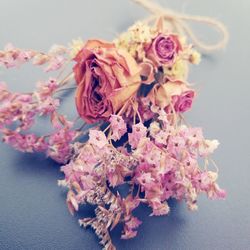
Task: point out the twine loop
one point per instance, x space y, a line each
180 22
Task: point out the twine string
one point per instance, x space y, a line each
180 22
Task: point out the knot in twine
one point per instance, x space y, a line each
180 22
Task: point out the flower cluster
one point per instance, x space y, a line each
144 62
137 84
135 92
14 57
158 162
18 113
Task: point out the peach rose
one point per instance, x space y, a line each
106 77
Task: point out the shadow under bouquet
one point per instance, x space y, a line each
131 95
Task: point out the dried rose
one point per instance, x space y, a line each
106 79
164 49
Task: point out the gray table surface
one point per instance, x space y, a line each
33 214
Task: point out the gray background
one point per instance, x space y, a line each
33 214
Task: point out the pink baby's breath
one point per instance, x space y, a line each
138 132
118 127
97 138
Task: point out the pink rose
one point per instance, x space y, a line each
106 78
173 94
183 102
164 49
